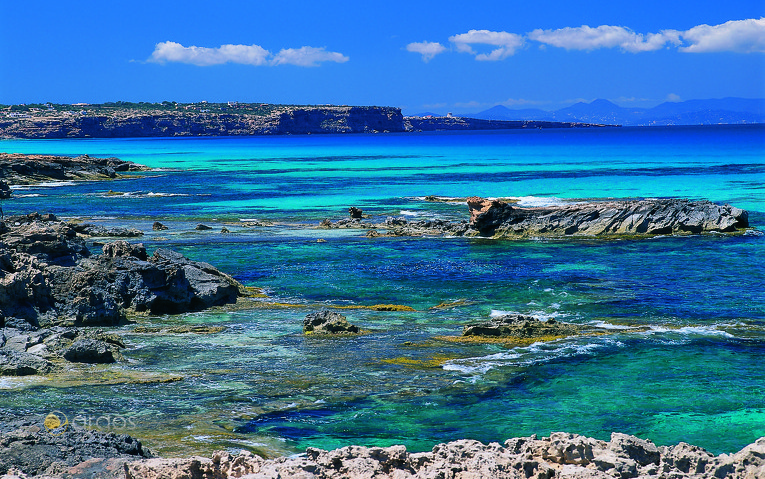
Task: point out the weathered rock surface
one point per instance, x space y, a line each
29 448
20 169
24 353
608 218
328 322
522 327
48 277
561 455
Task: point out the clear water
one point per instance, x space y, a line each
691 373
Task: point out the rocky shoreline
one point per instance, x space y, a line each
44 447
56 295
594 219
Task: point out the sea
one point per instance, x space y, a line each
679 359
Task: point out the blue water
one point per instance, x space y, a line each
690 373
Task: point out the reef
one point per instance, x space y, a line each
28 448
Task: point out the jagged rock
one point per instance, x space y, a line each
97 230
5 190
49 277
608 218
15 363
89 350
20 169
561 455
157 226
28 447
522 327
328 322
354 212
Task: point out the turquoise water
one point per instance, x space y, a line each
691 373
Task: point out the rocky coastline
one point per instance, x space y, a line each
498 219
58 299
46 447
161 120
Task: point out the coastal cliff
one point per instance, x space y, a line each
169 119
129 123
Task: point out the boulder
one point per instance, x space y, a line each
354 213
328 322
157 226
88 350
15 363
5 190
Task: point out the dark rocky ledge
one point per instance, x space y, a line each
607 218
50 282
602 219
41 446
20 169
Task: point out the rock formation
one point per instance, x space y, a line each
27 448
607 218
520 326
50 278
328 322
19 169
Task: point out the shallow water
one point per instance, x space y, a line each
691 373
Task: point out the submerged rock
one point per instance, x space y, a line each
608 218
522 327
328 322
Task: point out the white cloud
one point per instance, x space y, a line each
203 56
428 50
307 57
673 97
604 36
507 43
744 36
243 54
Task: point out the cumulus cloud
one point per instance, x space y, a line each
506 43
604 36
744 36
243 54
741 36
428 50
307 57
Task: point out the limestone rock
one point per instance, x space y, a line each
521 326
328 322
607 218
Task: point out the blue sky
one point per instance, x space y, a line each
459 56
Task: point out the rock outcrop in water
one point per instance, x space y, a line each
328 322
519 326
20 169
608 218
48 277
27 448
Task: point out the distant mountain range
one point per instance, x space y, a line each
692 112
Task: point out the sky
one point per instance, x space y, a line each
459 56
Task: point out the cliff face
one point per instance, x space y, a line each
287 120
